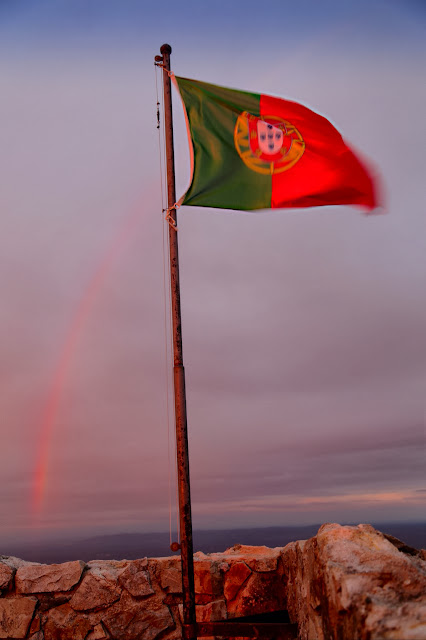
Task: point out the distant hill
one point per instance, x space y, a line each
139 545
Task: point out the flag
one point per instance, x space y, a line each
254 151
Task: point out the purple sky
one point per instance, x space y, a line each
304 331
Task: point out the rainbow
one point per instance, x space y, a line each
51 406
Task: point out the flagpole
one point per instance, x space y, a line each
186 548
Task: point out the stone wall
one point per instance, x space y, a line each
354 582
346 582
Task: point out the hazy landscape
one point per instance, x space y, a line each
138 545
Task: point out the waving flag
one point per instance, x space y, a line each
253 151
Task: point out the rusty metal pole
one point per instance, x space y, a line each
189 629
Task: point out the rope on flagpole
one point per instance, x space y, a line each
169 217
167 311
162 66
175 476
168 329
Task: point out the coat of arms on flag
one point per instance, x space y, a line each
267 144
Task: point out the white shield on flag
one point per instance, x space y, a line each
270 138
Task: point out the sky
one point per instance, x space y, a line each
303 330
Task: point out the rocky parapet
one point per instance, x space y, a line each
345 583
353 582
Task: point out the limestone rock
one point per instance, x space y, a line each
210 612
250 551
16 563
174 634
43 578
257 558
261 593
304 601
171 576
351 582
95 591
50 600
35 625
15 616
63 623
135 578
268 563
131 619
401 546
98 633
207 578
110 569
234 579
6 575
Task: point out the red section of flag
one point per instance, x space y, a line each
328 173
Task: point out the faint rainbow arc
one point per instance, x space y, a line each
52 404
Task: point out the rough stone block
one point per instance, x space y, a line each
261 593
6 575
35 625
43 578
171 577
207 578
98 633
234 579
209 612
131 619
135 578
15 616
16 563
351 582
94 591
63 623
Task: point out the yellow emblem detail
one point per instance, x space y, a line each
268 144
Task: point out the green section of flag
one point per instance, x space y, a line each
220 177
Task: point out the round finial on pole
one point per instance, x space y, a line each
166 48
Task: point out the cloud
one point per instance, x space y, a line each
303 331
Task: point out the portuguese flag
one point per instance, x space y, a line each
253 151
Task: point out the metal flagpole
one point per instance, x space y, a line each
186 548
230 628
